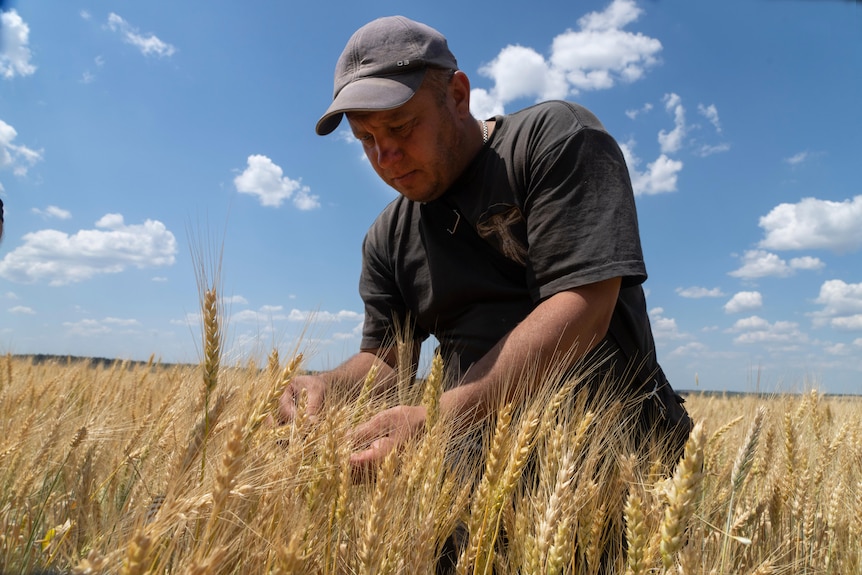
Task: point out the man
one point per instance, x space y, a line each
514 240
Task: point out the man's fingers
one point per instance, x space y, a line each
314 403
286 406
366 461
310 394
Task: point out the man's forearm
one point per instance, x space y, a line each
349 377
563 328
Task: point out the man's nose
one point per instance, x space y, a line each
388 152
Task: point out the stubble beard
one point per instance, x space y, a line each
449 164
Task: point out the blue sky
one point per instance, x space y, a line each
137 136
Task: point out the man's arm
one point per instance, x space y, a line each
348 378
564 327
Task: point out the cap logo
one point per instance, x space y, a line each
403 63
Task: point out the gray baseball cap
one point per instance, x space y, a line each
382 66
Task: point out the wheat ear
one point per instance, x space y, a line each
554 530
481 509
636 533
433 389
226 476
518 456
372 550
136 555
212 339
682 494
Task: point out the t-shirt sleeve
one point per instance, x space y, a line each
581 218
378 291
385 308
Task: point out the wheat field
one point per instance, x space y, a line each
148 468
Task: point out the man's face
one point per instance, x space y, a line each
415 148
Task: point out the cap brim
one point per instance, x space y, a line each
369 95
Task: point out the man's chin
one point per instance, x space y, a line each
422 195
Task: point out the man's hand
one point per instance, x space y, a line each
387 431
315 388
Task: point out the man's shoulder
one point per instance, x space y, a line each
558 113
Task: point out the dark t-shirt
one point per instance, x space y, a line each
546 205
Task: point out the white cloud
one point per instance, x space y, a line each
270 313
708 149
304 200
88 77
59 258
696 292
659 177
53 212
595 57
356 332
14 46
17 158
840 298
848 323
688 350
91 327
755 329
324 316
744 301
22 310
601 50
760 263
671 142
664 328
234 299
797 158
814 224
520 72
838 349
266 180
482 105
710 113
252 317
807 263
146 44
842 305
633 114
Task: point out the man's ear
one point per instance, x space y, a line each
460 90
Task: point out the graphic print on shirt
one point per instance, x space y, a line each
503 226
